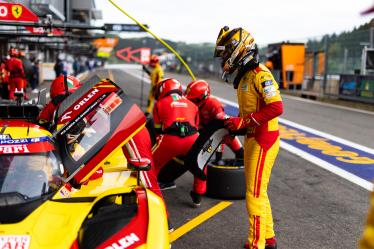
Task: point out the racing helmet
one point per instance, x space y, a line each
166 87
153 60
197 91
236 47
58 85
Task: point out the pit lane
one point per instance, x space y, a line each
311 207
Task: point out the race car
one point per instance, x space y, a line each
73 188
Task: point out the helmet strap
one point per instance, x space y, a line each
250 65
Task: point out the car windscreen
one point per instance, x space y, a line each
28 176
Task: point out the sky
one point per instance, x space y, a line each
269 21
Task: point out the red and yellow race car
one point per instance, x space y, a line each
55 193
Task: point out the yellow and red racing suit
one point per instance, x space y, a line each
367 239
156 75
259 100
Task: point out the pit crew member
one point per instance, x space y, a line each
176 120
16 73
156 74
210 108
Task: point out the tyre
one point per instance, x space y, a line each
227 180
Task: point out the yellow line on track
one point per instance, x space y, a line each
198 220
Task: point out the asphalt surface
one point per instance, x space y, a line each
312 207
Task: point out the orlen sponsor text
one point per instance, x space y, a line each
86 99
124 242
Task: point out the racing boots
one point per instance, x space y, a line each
269 244
196 199
239 154
167 185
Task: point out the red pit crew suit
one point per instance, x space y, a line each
4 81
259 105
211 109
140 146
46 115
177 119
16 76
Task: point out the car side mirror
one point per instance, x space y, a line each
42 97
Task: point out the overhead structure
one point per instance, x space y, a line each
157 38
56 25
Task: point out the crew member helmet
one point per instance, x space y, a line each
153 60
197 91
236 47
166 87
13 52
58 85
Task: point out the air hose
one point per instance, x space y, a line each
157 38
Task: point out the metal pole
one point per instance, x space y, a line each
326 49
52 25
345 61
371 37
142 90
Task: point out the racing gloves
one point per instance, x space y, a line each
268 112
238 123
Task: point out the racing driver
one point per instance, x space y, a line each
210 108
260 104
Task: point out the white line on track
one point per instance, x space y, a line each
327 104
313 159
328 166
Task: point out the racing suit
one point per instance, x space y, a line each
177 120
16 76
156 75
140 146
211 109
46 115
259 104
367 239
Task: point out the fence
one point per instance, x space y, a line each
333 66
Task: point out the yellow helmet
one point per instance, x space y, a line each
236 47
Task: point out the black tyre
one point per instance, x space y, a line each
226 181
